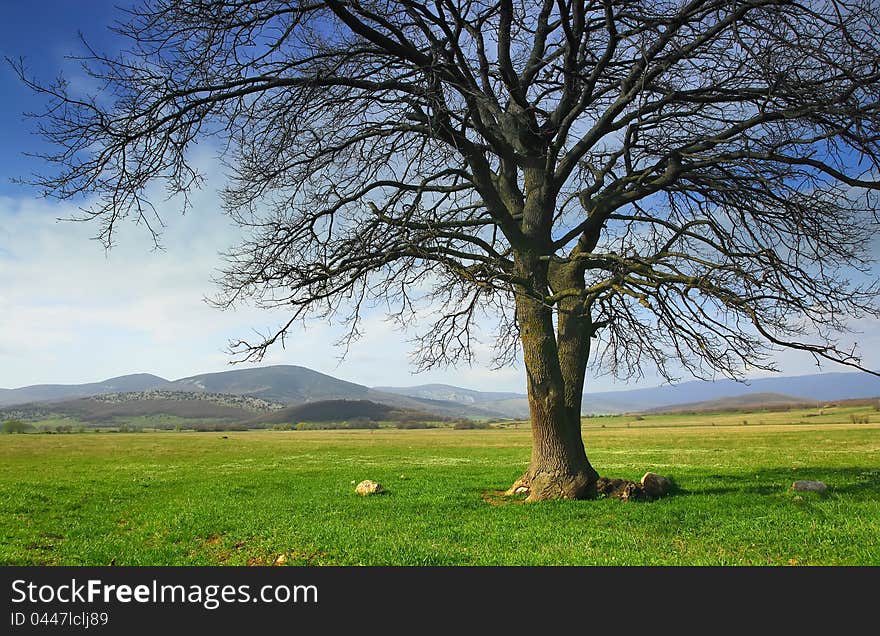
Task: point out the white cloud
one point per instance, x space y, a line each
69 312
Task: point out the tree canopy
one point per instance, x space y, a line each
626 183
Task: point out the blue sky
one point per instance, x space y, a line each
69 312
43 33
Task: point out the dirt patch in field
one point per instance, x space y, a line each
498 498
40 546
213 546
244 552
286 558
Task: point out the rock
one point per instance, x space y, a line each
622 489
805 485
652 487
632 491
369 487
610 487
656 485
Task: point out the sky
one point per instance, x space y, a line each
71 312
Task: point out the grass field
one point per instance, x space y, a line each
199 499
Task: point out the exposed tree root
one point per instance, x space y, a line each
543 485
546 485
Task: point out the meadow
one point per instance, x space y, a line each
287 497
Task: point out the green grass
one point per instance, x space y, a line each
199 499
832 415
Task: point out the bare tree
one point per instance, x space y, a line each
687 184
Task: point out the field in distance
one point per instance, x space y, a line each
267 497
82 416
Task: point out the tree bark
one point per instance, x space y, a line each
573 333
559 468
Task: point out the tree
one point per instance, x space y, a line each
15 426
687 184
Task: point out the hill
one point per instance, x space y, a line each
52 392
448 393
479 403
283 383
296 385
819 387
117 408
287 384
748 402
339 410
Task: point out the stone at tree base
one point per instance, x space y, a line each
656 485
369 487
632 491
622 489
805 485
652 487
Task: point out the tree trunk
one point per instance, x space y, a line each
574 329
559 468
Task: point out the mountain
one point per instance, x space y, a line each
749 401
492 403
282 383
287 384
92 410
295 385
337 410
479 403
298 385
53 392
817 387
449 393
208 411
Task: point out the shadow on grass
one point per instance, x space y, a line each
768 481
857 482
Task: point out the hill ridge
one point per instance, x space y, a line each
296 384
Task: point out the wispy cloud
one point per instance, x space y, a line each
71 312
